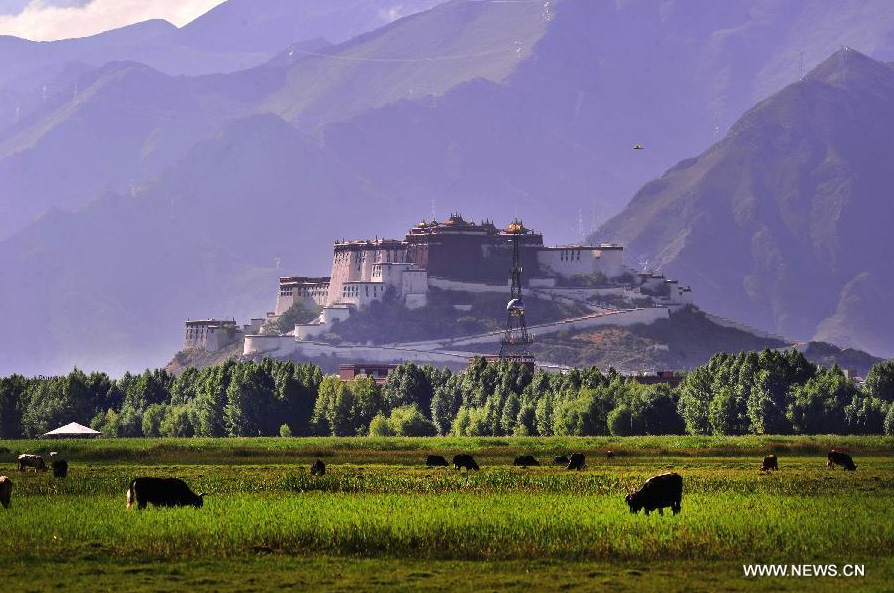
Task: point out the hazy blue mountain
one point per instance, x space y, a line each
267 26
109 286
550 137
495 109
783 224
235 35
120 126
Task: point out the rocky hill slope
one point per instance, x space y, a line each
782 224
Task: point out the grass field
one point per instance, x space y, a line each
381 520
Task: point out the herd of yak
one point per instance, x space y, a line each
657 493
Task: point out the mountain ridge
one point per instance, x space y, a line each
780 214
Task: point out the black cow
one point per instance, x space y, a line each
576 461
436 461
658 492
609 454
560 460
464 461
770 462
29 460
162 492
5 491
318 468
60 468
525 461
842 459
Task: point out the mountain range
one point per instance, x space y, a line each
783 223
132 183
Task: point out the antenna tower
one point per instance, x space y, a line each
515 341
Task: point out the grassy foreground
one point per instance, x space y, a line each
379 520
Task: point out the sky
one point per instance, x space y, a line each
47 20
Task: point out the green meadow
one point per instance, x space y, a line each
380 520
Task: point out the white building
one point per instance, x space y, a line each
210 334
567 261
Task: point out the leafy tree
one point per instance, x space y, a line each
251 408
620 421
471 422
296 314
106 422
55 401
766 405
866 415
543 415
211 399
178 422
185 387
152 419
12 400
408 384
889 421
727 413
696 394
583 415
526 420
296 388
285 431
817 406
367 402
657 411
446 403
409 422
380 427
509 418
880 381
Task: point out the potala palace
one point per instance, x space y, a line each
456 255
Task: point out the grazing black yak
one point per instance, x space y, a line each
318 468
60 468
5 491
436 461
770 462
658 492
525 461
162 492
464 460
576 461
842 459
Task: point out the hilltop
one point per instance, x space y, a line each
687 339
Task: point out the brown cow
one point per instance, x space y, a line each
770 462
29 460
5 491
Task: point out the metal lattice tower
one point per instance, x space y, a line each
515 341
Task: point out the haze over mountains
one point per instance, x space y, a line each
784 223
176 194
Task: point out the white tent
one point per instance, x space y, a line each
72 431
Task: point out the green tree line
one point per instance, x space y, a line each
769 392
